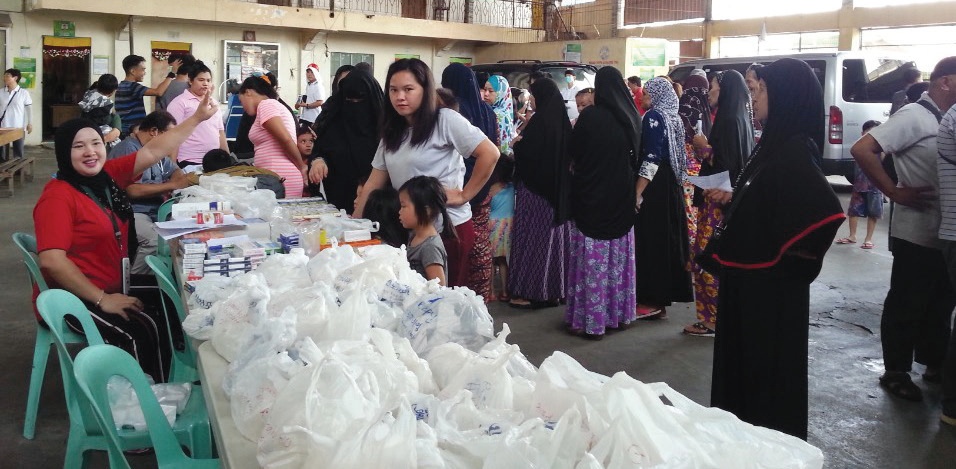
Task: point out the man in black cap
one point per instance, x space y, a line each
918 307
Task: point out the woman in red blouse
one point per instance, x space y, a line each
82 225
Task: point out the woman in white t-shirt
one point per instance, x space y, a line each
420 140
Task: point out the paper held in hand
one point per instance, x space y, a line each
714 181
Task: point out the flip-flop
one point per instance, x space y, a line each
902 387
845 241
696 328
867 245
647 313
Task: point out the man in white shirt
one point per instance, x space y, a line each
568 93
15 112
918 307
314 96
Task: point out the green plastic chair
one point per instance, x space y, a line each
192 425
94 366
183 366
41 350
162 247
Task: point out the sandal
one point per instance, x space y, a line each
699 329
933 376
520 303
867 245
504 298
651 313
845 241
902 387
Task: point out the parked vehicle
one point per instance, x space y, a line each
857 87
518 72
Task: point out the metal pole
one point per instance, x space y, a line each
129 23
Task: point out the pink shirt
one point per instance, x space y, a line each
268 150
206 135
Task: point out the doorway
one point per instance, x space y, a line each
66 76
414 9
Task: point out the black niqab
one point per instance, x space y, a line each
611 94
347 135
461 81
732 136
604 148
541 156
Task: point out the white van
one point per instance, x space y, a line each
857 87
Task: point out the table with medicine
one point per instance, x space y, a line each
320 347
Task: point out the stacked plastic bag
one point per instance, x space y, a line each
354 360
124 403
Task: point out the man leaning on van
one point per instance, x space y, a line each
921 299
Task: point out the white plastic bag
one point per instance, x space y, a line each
449 315
125 407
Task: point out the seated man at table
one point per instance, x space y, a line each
153 187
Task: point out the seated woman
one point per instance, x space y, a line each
83 221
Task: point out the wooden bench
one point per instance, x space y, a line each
10 168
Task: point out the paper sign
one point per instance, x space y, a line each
101 64
714 181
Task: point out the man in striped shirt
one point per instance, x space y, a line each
128 101
946 144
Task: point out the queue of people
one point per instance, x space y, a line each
592 208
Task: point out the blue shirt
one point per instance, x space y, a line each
155 174
503 203
128 103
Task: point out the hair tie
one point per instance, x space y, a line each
266 79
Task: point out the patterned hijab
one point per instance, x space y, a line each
694 108
664 101
504 111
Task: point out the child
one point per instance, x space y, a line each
502 211
584 98
383 206
304 140
422 200
97 106
866 202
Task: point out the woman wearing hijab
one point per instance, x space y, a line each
340 74
500 99
83 221
781 221
347 134
604 146
695 114
461 81
663 247
539 234
730 144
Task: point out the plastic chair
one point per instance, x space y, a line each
162 247
41 349
94 366
192 425
183 366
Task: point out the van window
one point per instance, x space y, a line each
583 77
872 80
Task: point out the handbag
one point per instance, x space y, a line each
706 258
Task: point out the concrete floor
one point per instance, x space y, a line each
852 420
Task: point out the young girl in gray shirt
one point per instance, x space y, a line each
422 200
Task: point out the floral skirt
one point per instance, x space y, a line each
706 286
602 283
501 237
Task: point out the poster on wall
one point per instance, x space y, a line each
28 71
649 55
407 56
572 53
101 64
466 61
64 29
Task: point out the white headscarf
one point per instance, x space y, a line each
664 101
